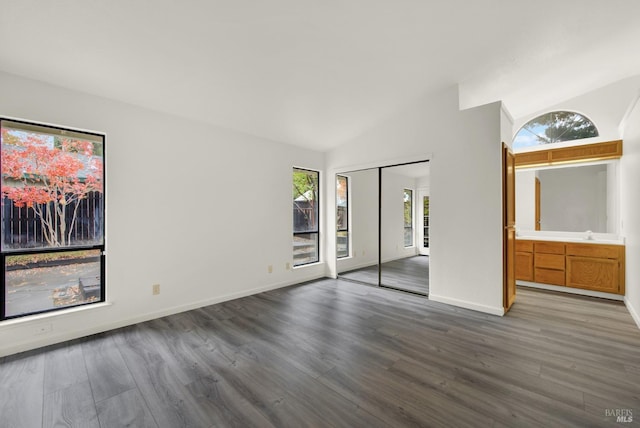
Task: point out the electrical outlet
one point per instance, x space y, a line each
287 265
43 328
156 289
270 268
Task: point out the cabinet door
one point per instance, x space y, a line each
524 266
593 274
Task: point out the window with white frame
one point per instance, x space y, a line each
306 210
342 217
554 127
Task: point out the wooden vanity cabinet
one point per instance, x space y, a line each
596 267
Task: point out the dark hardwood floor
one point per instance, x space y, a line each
333 353
410 274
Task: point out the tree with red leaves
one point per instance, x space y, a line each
48 175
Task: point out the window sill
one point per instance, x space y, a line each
50 315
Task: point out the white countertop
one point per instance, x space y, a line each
578 237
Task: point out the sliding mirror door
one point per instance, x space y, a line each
357 226
404 264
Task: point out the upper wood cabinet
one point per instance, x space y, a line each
582 153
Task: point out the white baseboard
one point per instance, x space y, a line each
358 266
52 339
570 290
403 256
492 310
634 313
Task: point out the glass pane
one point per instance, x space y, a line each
408 236
52 187
305 249
45 281
305 201
554 127
342 246
342 201
408 218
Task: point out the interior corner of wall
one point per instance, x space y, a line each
635 312
635 102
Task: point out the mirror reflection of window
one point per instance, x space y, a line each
408 217
342 216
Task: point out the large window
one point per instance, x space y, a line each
342 213
408 218
52 218
306 243
554 127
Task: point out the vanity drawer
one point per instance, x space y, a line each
549 276
549 247
600 251
524 246
549 261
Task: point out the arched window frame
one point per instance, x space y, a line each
519 146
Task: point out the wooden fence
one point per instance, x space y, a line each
22 228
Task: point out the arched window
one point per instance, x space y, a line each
554 127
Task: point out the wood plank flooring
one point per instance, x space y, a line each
333 353
411 274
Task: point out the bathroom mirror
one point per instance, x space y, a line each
568 198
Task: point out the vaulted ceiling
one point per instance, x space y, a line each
316 73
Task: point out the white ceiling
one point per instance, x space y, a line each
317 72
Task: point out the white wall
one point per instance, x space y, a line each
363 207
630 209
613 198
392 229
573 199
464 148
525 199
200 210
604 106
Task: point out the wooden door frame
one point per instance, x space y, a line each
508 223
537 202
